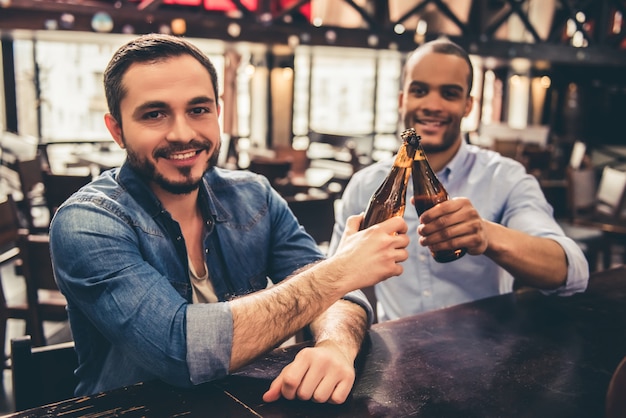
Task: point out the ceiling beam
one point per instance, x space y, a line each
34 15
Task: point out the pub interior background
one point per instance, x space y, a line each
315 83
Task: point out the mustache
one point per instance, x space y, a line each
193 145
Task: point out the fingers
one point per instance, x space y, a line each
273 393
394 225
453 224
327 390
308 378
353 223
291 385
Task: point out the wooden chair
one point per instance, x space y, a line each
9 230
275 170
607 211
45 190
59 187
508 148
9 253
32 186
581 199
316 213
537 160
611 192
45 301
42 375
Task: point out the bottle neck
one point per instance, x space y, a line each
420 155
439 160
405 156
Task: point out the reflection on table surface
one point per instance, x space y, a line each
517 355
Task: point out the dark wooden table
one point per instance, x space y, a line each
515 355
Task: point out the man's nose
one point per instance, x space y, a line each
433 102
180 130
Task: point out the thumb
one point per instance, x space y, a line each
353 224
274 391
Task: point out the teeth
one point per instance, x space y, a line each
182 156
432 123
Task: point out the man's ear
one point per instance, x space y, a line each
115 129
468 106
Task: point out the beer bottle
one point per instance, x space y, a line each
390 198
428 191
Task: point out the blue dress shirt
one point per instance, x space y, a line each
502 192
120 260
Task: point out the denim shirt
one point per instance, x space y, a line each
121 261
502 192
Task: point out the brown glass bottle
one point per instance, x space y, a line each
427 192
390 198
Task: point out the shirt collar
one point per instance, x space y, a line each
142 193
139 189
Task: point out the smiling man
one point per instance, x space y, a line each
165 261
497 211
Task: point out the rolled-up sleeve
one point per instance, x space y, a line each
528 211
209 341
358 297
577 267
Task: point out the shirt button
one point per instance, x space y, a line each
206 250
426 293
178 238
422 257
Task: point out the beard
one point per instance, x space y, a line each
446 143
147 170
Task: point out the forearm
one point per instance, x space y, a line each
344 324
534 261
263 319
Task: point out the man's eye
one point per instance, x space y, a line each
152 115
199 110
451 94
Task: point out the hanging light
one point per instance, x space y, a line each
179 26
331 36
102 22
67 21
293 41
51 24
165 29
234 30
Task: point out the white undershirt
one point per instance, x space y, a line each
202 288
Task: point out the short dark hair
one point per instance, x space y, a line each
445 46
147 48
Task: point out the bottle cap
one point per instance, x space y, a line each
410 137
